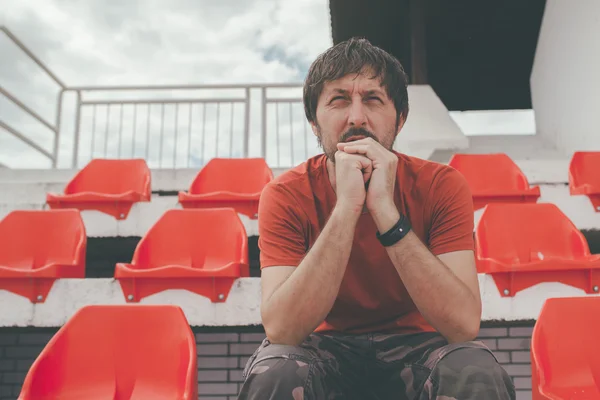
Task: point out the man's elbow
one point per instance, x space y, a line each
280 332
468 329
277 335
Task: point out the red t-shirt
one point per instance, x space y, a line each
295 206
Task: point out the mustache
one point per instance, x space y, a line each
357 132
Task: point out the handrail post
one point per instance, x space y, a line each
57 125
263 152
77 131
247 123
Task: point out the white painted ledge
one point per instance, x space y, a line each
143 215
242 307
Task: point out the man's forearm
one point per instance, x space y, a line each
303 301
441 297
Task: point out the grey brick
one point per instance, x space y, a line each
35 338
518 370
212 397
212 350
217 337
217 362
514 344
24 365
522 383
252 337
523 395
23 352
242 349
217 388
7 365
235 375
520 357
13 377
212 375
6 392
8 339
503 357
492 332
520 331
491 343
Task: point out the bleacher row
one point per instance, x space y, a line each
202 248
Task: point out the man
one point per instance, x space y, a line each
369 285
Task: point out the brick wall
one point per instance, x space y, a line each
223 352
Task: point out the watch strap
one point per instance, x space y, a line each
396 233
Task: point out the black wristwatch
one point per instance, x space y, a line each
396 233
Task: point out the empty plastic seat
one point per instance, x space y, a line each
37 247
109 186
521 245
203 251
494 178
565 355
125 352
229 182
584 176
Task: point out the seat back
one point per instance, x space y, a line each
564 348
584 170
33 238
238 175
111 177
521 233
195 238
117 352
489 172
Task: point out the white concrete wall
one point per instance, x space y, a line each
242 306
429 127
565 82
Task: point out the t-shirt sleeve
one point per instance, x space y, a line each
281 228
452 217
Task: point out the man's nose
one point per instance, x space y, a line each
357 116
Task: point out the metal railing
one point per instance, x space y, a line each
178 126
54 128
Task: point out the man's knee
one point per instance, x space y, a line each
471 373
275 378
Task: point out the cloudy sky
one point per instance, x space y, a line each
135 42
155 42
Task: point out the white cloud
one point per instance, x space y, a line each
100 42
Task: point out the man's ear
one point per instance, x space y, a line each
401 122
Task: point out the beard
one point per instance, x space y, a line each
331 148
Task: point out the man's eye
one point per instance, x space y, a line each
374 98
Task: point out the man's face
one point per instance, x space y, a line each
354 107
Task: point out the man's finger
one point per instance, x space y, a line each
371 152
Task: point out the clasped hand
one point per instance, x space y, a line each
366 175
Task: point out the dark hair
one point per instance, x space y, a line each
353 56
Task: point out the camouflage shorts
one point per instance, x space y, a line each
375 366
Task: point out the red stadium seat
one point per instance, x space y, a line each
109 186
584 176
39 247
229 182
202 251
565 356
494 178
133 352
521 245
